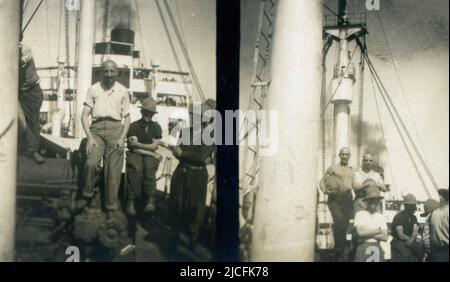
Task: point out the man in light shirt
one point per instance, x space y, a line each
439 228
363 174
108 103
371 228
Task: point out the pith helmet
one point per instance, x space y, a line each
409 199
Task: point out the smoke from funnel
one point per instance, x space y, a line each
119 14
372 139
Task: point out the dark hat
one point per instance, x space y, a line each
409 199
443 192
148 104
373 192
369 183
429 206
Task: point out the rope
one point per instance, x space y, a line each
340 81
172 47
185 52
32 15
382 130
140 29
380 88
67 38
402 90
404 127
360 107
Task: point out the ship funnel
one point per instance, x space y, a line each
122 35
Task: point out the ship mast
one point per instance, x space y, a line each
342 82
342 32
84 70
285 215
9 56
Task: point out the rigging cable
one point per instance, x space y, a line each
32 15
382 130
48 29
140 30
403 125
340 81
402 90
185 52
360 105
172 47
380 88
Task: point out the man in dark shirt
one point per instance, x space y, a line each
405 229
142 161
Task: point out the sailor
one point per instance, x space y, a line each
30 101
405 232
429 206
144 137
439 230
371 228
188 187
363 174
108 102
337 184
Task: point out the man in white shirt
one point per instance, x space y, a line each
371 228
363 174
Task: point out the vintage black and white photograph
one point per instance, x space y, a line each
344 141
97 96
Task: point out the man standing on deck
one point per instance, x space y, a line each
337 184
360 177
30 101
108 102
439 230
405 230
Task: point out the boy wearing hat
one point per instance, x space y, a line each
371 228
439 230
144 138
405 229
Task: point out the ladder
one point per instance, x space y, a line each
249 128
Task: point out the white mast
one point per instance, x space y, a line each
84 71
285 215
9 56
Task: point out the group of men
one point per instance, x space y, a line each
357 194
106 123
108 102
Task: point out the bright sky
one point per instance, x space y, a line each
195 18
417 33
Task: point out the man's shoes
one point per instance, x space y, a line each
150 207
130 209
37 158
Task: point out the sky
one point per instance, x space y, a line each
195 18
417 33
